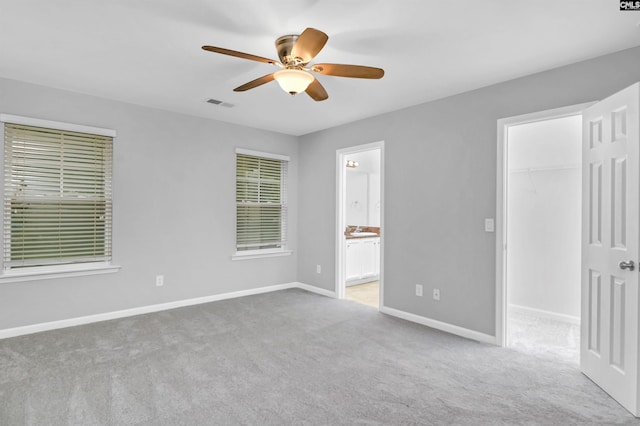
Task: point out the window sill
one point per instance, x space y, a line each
258 255
63 271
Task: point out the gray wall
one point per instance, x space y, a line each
174 211
440 183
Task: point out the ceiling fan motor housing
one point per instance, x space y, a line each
284 46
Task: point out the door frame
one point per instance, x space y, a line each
341 182
501 204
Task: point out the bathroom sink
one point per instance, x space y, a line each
364 234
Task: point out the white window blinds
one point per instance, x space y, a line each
57 197
261 202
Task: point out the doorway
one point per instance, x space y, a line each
359 233
539 233
610 240
543 166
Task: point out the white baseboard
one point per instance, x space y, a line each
361 281
443 326
545 314
317 290
53 325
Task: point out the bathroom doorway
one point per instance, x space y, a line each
359 224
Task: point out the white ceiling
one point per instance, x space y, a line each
147 52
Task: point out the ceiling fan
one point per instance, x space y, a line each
295 53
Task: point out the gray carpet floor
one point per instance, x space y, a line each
544 337
288 357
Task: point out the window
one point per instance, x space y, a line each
261 203
57 204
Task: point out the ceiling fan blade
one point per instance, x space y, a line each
309 44
239 54
254 83
316 91
353 71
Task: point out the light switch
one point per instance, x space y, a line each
489 225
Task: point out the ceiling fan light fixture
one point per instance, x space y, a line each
293 81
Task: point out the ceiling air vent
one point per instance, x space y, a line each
220 103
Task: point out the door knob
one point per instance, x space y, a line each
626 265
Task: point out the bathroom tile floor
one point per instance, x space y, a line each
367 293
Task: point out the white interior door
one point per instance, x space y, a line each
610 238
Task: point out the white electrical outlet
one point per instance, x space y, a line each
159 280
436 294
419 290
318 269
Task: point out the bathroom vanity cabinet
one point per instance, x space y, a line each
362 260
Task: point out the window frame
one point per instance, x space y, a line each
29 273
284 221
